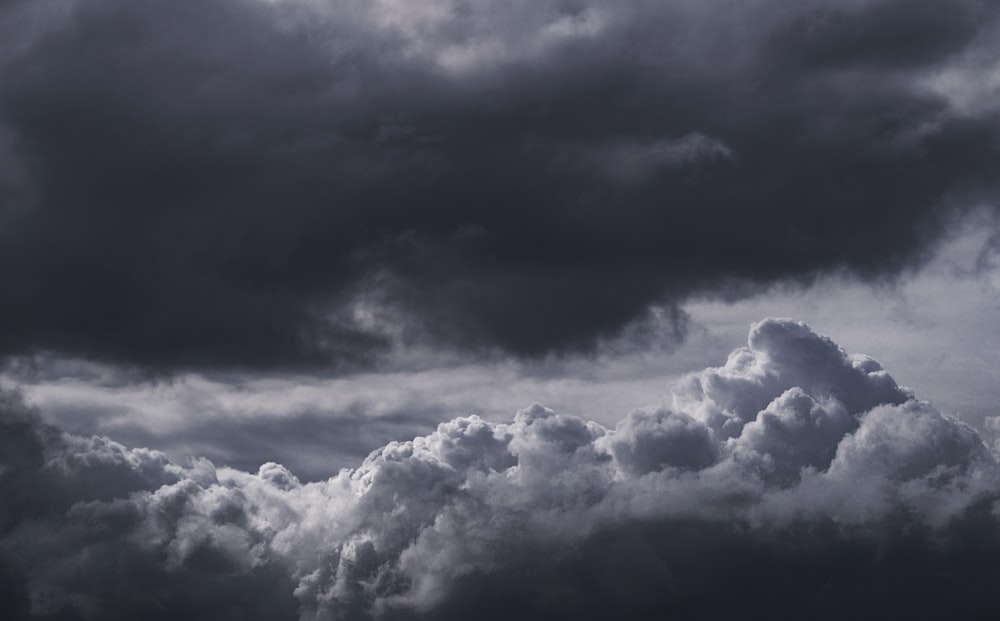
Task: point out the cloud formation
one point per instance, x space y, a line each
793 479
246 183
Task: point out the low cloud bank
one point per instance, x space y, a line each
794 479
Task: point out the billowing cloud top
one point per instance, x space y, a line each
291 183
793 481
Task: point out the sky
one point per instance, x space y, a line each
442 309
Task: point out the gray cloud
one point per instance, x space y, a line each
240 183
794 478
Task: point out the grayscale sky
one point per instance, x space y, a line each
445 309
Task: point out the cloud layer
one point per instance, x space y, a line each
795 479
247 183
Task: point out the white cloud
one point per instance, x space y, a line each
791 430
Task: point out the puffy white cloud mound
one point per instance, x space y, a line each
780 355
794 469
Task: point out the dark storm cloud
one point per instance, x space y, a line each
247 183
794 480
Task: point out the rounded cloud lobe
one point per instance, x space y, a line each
796 479
246 183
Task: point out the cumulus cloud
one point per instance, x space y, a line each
295 184
795 478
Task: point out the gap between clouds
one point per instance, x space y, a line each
934 328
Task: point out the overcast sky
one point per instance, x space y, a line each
443 309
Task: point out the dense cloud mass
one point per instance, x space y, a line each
293 183
793 481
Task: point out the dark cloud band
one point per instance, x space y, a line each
257 184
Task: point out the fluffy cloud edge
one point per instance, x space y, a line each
791 436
